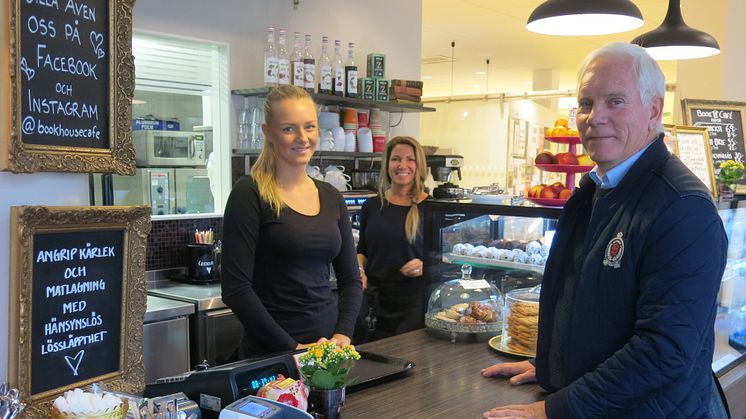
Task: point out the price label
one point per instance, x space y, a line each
474 284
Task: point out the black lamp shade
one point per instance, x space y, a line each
674 40
584 17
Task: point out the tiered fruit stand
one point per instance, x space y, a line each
569 170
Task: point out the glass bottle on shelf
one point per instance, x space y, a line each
296 63
245 139
351 71
270 59
339 70
309 66
325 69
283 62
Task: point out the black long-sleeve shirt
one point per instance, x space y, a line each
275 271
383 240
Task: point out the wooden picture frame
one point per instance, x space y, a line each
518 135
65 281
726 123
76 120
693 148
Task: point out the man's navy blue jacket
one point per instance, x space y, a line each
641 331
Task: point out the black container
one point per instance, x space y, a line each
201 262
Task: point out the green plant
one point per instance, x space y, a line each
730 172
325 366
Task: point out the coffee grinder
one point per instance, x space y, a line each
444 169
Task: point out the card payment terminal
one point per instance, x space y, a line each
251 407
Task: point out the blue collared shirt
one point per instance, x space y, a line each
612 178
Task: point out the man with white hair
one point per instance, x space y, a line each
628 299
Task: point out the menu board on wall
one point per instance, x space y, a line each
693 148
71 78
725 124
76 307
77 300
65 66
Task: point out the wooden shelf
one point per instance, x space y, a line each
323 99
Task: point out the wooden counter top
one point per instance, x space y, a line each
445 383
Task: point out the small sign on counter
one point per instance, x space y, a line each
77 299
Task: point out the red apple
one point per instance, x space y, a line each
544 157
558 186
566 158
564 194
548 192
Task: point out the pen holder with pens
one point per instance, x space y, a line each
203 259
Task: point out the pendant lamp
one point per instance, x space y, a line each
584 17
674 40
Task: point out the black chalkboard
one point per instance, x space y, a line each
76 307
724 123
64 76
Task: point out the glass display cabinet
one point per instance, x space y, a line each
507 246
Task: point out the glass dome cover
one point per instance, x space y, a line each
465 306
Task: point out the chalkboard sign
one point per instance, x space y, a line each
77 299
725 123
71 87
65 66
76 307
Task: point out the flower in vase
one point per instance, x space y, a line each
730 173
325 366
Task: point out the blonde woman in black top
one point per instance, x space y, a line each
390 251
282 231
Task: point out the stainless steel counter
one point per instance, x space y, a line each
163 308
204 297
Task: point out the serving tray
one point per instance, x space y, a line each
372 369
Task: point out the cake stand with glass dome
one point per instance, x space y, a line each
465 310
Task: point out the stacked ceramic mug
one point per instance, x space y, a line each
350 125
375 123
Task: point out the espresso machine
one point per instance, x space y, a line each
445 169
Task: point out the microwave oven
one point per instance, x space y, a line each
155 148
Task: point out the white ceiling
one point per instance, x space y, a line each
495 29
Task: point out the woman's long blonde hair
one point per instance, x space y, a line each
412 222
265 168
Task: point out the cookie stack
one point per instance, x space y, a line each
522 323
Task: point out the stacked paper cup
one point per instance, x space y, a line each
350 125
375 123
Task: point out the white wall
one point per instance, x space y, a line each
478 130
392 27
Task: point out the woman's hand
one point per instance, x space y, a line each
412 269
364 279
340 339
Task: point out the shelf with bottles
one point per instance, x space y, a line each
347 102
318 154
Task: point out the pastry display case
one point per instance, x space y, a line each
464 309
505 245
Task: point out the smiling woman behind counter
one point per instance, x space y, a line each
282 231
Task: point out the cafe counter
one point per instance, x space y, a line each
445 382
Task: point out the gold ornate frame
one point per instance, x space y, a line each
26 221
704 135
17 157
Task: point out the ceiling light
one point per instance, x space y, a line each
584 17
674 40
480 73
